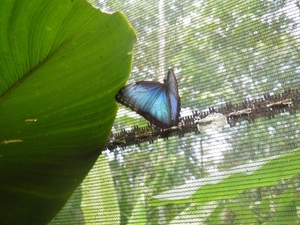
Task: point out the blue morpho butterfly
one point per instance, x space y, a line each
158 103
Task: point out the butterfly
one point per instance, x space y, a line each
158 103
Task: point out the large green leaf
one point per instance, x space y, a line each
61 63
229 184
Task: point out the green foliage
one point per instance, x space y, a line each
222 51
89 203
229 186
195 214
61 63
138 216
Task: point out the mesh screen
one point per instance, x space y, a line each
223 53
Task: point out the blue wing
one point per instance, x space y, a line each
158 103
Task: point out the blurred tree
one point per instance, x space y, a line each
222 51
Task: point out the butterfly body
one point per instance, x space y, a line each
158 103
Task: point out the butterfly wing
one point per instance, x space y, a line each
149 99
158 103
172 92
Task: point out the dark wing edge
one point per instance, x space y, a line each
172 92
